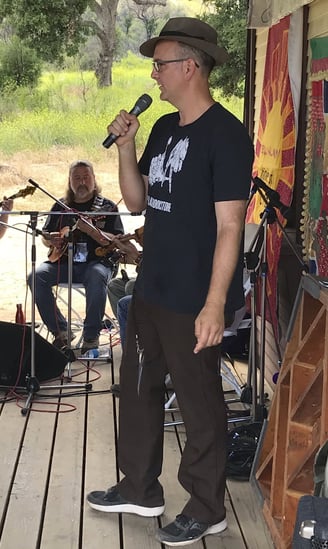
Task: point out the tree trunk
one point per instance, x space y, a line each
105 29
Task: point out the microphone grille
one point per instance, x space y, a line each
144 102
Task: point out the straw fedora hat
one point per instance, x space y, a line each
192 32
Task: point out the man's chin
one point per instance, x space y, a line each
83 194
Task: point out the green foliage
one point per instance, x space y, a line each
19 65
229 19
68 109
51 28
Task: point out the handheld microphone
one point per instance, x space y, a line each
274 196
141 105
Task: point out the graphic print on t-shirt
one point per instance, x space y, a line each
162 168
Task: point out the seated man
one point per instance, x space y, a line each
82 195
120 292
121 287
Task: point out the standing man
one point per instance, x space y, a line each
82 195
194 178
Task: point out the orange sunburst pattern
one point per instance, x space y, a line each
275 148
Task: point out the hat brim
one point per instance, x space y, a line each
217 53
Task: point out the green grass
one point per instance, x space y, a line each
67 109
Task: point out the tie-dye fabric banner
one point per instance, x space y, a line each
315 207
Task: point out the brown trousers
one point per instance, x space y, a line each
167 340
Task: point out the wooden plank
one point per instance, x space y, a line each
250 517
64 494
229 539
12 425
26 499
100 529
139 532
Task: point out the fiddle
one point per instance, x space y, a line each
20 194
102 251
68 209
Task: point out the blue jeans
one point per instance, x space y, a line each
122 315
94 276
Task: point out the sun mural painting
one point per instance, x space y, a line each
274 153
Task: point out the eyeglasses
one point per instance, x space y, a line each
158 64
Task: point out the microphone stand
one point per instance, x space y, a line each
68 350
257 250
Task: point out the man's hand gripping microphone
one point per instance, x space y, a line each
141 105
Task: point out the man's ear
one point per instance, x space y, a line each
190 68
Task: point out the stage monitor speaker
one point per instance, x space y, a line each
15 363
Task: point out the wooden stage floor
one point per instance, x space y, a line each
65 446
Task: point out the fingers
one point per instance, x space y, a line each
124 125
209 328
7 204
56 239
207 338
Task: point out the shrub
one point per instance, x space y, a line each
19 65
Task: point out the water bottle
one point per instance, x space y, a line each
92 353
20 317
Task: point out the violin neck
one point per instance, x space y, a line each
127 237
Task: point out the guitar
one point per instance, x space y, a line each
56 252
22 193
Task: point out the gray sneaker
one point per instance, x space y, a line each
60 340
112 502
88 344
186 530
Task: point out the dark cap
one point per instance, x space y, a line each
192 32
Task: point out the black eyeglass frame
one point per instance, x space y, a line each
158 63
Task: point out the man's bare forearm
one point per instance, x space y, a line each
226 251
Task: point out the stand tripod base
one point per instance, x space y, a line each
33 386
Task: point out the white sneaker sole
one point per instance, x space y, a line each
217 528
129 508
214 529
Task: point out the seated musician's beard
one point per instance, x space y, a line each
82 192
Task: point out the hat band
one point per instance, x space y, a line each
179 33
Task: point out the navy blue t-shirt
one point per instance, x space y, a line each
189 169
